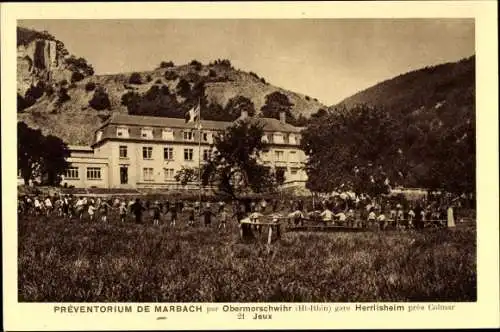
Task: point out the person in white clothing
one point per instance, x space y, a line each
79 205
38 206
48 205
91 210
327 216
341 217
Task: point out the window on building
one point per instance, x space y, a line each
279 155
147 152
188 154
188 136
206 137
294 170
168 153
122 132
169 174
123 151
71 173
206 154
292 139
167 134
98 136
147 133
147 174
278 138
265 139
293 156
93 173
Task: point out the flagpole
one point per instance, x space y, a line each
199 153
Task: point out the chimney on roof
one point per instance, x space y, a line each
282 117
244 115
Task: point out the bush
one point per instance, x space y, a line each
63 83
158 81
90 86
36 91
254 75
135 78
62 96
166 64
49 90
308 98
171 75
263 80
196 64
76 76
149 78
212 73
129 97
100 100
72 86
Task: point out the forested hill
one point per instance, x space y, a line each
60 94
444 86
433 112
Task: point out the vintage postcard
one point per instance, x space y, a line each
250 165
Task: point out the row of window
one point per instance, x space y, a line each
148 174
279 138
93 173
167 134
168 153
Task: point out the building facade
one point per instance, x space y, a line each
133 152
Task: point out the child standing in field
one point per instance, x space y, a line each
123 211
371 217
191 213
223 219
381 221
38 206
411 217
173 214
156 213
326 215
91 211
103 210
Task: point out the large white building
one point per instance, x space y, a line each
133 152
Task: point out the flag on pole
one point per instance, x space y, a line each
193 115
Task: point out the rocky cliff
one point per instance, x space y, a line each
38 61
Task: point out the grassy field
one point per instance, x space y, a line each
61 261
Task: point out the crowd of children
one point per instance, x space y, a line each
364 213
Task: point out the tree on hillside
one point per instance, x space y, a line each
236 105
277 102
353 150
183 88
55 152
233 167
100 100
453 165
166 64
38 155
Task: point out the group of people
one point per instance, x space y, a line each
364 214
141 211
388 215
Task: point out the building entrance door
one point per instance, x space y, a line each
123 174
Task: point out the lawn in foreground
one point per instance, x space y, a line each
60 261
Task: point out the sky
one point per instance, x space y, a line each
328 59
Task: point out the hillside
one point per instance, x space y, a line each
418 92
55 99
434 112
